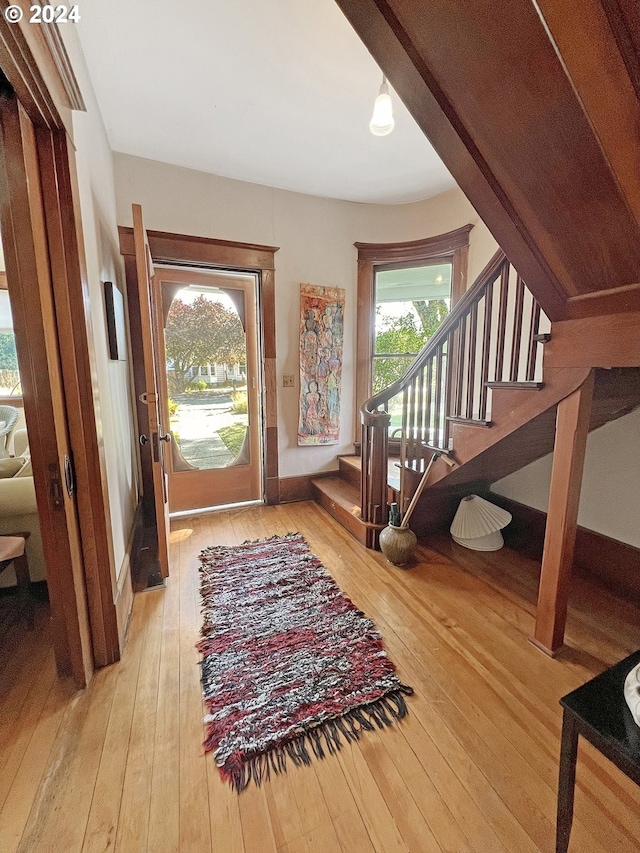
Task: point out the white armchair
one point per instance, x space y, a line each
18 508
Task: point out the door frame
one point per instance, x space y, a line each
207 253
91 613
450 247
234 480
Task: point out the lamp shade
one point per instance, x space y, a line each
477 524
382 121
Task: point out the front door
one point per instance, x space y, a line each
211 388
153 437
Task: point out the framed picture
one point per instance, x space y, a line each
114 308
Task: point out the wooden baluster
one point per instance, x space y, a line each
438 412
534 328
448 372
471 370
502 320
403 448
460 346
429 400
486 350
517 330
411 415
420 406
365 473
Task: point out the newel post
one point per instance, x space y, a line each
375 452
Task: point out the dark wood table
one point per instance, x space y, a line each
599 713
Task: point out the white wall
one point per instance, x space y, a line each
98 210
610 497
315 236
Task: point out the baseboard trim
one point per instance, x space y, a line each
614 564
293 489
124 591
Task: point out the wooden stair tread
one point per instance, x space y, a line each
474 422
516 386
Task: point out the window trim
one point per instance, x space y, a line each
452 246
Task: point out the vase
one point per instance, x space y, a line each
398 544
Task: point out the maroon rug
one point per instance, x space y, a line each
291 669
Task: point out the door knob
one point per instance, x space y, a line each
166 437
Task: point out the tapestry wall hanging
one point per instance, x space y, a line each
291 669
321 333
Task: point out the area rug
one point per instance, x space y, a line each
291 669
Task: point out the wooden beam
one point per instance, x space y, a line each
572 428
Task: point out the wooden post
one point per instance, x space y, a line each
572 428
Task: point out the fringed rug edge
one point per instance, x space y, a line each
240 769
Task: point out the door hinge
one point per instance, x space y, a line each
69 475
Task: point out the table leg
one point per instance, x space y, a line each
566 781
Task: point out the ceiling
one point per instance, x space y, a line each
277 93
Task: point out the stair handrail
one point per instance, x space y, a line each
450 377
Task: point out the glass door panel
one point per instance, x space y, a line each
212 387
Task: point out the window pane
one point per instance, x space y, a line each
387 370
206 376
411 304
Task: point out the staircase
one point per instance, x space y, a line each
480 394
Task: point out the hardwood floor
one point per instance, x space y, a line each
472 768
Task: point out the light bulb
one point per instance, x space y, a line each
382 121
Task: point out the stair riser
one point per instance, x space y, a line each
349 473
349 521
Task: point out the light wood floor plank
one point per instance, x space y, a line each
103 818
195 824
133 819
34 766
164 810
68 789
472 769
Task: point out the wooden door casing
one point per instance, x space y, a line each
28 272
236 483
208 252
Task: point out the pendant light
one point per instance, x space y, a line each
382 121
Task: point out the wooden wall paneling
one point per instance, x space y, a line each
564 497
586 44
613 301
27 261
71 293
509 126
611 341
625 23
